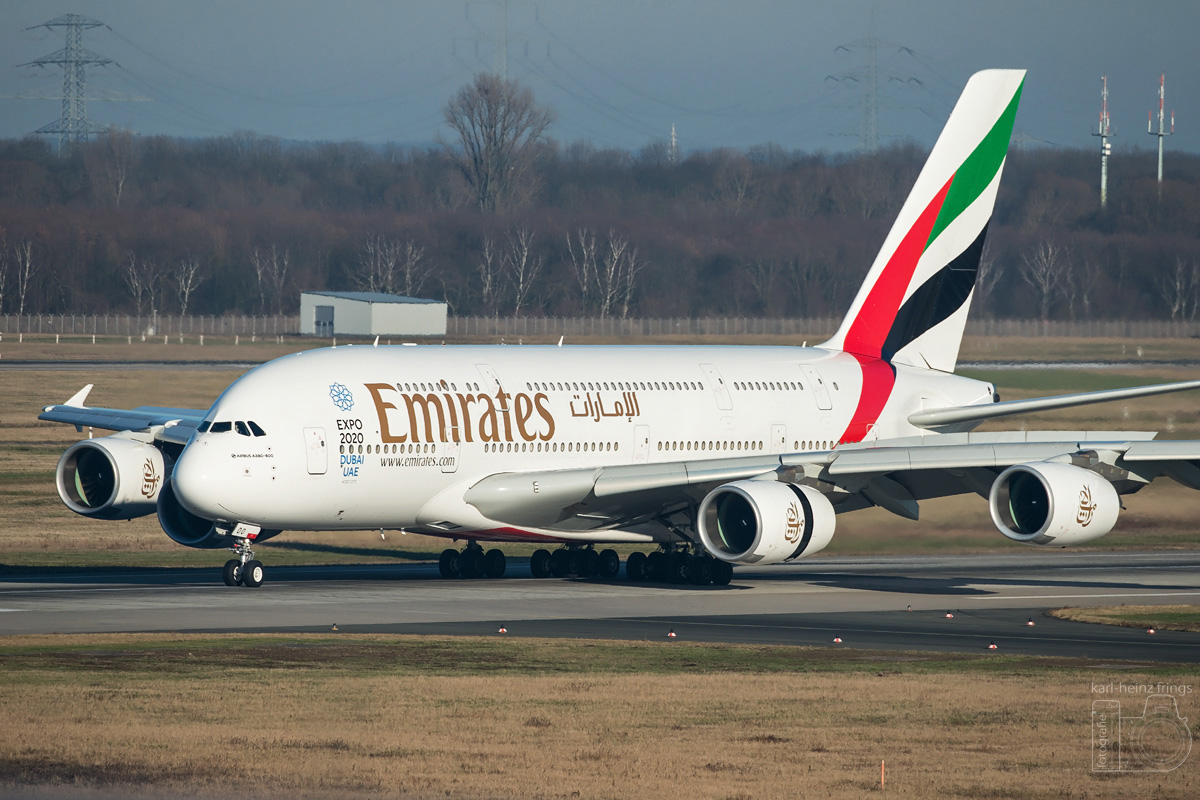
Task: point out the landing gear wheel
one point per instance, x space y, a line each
609 565
655 566
539 563
470 562
677 565
722 573
560 563
232 573
589 563
448 563
494 563
635 567
699 569
252 574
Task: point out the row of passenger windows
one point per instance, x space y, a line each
435 386
551 447
380 449
244 428
620 386
710 445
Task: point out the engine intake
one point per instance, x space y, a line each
764 522
183 526
1053 505
111 478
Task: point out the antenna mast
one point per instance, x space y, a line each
1161 132
1104 132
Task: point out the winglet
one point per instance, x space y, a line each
77 400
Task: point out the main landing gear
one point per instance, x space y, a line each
574 560
472 562
668 565
245 569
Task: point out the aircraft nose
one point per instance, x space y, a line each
194 479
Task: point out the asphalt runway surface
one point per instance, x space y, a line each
864 600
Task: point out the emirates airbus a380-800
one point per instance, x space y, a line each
707 456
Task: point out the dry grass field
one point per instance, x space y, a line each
421 717
39 531
1165 618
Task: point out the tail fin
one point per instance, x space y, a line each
912 308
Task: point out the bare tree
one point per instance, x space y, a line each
734 183
376 268
3 268
26 271
489 275
1043 270
108 161
987 275
521 265
761 273
271 271
582 254
1179 289
185 278
498 128
414 268
143 278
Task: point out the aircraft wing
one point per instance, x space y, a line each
894 475
169 424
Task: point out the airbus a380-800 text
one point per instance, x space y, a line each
707 456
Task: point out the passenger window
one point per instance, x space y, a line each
221 427
203 426
255 429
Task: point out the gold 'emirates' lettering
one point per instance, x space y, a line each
490 418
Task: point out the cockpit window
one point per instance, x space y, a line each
257 430
221 427
203 426
241 428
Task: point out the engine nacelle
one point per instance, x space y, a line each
111 478
764 522
1054 505
183 526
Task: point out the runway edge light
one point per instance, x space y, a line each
671 633
992 646
502 629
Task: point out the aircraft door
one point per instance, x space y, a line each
641 444
778 439
318 453
450 450
720 390
820 390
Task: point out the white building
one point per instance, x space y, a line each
370 314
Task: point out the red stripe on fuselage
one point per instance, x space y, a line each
870 327
878 379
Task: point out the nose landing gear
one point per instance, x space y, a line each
245 569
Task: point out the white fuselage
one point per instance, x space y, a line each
392 437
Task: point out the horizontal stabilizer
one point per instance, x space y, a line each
939 417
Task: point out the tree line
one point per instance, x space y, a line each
243 223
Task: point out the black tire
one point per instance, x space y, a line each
448 563
232 573
470 563
589 563
574 562
609 565
494 563
253 574
539 563
635 567
656 566
722 573
560 566
699 569
677 565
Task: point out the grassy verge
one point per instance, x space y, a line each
1167 618
339 715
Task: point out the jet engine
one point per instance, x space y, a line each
183 526
764 522
111 478
1053 504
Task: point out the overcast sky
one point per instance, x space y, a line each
618 73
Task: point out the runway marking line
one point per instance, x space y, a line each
1070 596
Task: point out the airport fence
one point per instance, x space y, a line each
812 328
